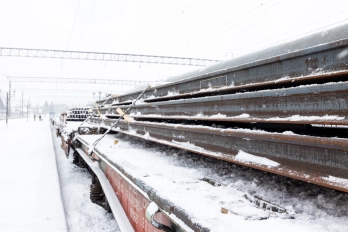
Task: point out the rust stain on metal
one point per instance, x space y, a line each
306 158
133 202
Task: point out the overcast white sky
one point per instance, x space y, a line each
197 28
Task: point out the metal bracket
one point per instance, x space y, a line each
95 159
150 212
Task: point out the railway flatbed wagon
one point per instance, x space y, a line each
274 121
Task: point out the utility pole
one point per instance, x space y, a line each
9 99
22 105
7 109
28 104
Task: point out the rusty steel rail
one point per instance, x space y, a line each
314 54
307 158
281 110
273 106
290 82
322 122
296 86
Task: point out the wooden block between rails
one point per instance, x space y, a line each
125 116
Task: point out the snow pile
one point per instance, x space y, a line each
309 118
288 133
282 79
242 116
151 210
218 116
188 145
172 93
135 114
249 158
69 128
342 182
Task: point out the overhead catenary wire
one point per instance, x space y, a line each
71 31
252 16
187 7
227 23
84 31
193 41
89 18
73 25
303 34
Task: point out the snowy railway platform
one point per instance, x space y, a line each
41 191
30 192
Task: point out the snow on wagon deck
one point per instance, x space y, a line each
30 193
202 186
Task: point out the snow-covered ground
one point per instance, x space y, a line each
179 176
81 213
31 191
30 198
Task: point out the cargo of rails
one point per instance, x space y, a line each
284 106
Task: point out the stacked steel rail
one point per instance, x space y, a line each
286 104
251 103
77 114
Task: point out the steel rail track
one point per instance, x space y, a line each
326 123
286 82
314 54
307 158
273 106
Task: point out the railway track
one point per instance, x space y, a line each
281 110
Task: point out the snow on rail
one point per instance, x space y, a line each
179 177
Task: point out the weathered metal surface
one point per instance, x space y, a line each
307 158
292 82
85 130
314 54
322 122
134 202
64 144
313 100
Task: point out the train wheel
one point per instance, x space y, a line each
97 195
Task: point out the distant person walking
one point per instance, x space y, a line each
34 117
39 117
